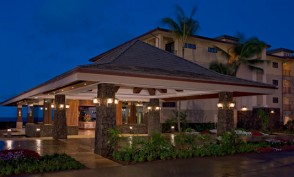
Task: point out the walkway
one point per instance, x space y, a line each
245 165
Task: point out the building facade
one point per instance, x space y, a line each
202 50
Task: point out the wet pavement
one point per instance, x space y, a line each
245 165
81 148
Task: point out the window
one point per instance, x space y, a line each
212 50
275 82
275 65
190 46
275 100
169 104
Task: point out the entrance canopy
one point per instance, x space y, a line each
141 72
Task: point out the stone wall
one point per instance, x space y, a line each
46 130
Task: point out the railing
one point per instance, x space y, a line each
286 89
287 107
286 72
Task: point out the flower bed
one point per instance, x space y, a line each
22 161
187 146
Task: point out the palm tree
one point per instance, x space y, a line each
241 53
183 27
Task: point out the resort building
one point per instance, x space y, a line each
202 50
136 85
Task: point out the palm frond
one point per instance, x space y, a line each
223 52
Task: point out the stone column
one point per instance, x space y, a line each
153 117
225 114
105 119
30 114
59 125
19 117
47 112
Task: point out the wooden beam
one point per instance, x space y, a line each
162 90
151 91
137 90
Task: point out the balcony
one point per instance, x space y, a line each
287 73
286 107
287 90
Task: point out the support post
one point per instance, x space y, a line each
30 114
59 124
19 122
153 117
105 119
225 113
47 112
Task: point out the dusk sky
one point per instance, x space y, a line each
40 39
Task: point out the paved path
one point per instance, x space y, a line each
279 164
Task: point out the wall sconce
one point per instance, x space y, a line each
46 109
38 129
131 128
96 100
67 106
244 108
109 101
52 106
154 108
61 106
272 112
220 105
232 105
115 101
9 130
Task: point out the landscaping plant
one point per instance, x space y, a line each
22 161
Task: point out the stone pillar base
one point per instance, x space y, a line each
19 125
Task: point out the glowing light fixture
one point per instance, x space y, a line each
220 105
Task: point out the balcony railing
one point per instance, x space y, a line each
287 107
286 89
286 72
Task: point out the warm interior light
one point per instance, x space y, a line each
109 101
116 101
95 100
46 109
272 111
61 106
172 127
9 130
149 107
231 105
131 128
220 105
52 105
38 129
157 108
67 106
244 108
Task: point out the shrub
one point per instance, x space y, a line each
30 162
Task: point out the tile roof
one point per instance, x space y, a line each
137 57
